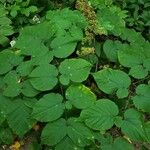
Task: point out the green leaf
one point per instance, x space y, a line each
13 85
122 93
3 40
98 3
63 46
103 139
57 34
2 84
48 108
136 57
51 134
101 115
79 133
28 90
4 105
138 72
19 117
6 136
92 58
66 22
147 130
76 70
65 19
132 125
43 59
5 25
110 50
80 96
129 57
132 36
29 102
31 45
142 98
111 81
13 13
146 64
118 144
2 117
72 131
32 39
8 59
64 80
67 144
30 9
25 68
68 105
44 77
111 19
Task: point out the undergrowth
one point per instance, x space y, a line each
74 75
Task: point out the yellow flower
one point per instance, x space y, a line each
15 146
86 51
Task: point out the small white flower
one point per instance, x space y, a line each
12 43
36 19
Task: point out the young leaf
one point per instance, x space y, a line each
110 81
76 70
101 115
80 96
44 77
48 108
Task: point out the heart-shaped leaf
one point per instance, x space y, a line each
48 108
80 96
111 81
44 77
101 115
76 70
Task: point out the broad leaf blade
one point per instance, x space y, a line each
80 96
48 108
101 115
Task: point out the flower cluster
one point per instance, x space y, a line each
93 27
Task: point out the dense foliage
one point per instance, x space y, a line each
74 75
